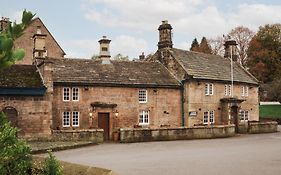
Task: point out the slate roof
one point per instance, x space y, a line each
20 76
117 73
211 67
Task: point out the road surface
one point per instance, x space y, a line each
257 154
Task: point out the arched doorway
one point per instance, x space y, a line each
12 115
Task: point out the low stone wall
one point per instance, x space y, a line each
181 133
243 128
262 127
94 135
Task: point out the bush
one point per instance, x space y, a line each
14 153
52 165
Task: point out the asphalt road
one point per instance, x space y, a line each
258 154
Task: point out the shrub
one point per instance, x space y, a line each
52 165
14 152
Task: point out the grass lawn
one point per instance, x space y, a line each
270 111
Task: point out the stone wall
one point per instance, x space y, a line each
180 133
262 127
33 115
163 106
94 135
197 101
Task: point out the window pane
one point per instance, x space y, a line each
66 119
66 94
246 91
144 117
142 96
75 118
211 89
229 90
206 89
205 117
225 90
246 115
75 94
212 117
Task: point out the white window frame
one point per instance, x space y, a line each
209 89
142 96
244 91
205 117
74 116
142 117
209 117
65 94
75 94
66 117
244 115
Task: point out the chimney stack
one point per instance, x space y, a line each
4 24
142 56
230 49
165 35
104 50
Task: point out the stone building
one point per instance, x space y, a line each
37 41
172 88
23 99
210 95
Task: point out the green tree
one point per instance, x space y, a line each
194 45
265 51
9 55
204 46
14 153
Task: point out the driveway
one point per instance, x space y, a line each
258 154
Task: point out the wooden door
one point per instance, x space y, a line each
234 116
103 123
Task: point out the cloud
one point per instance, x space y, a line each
254 15
124 44
137 14
189 19
128 45
84 48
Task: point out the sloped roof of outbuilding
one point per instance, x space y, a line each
117 73
211 67
20 76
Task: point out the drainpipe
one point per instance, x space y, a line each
182 105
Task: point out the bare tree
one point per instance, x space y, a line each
242 35
217 45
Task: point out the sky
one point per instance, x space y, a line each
77 25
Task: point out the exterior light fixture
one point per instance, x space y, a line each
90 114
116 113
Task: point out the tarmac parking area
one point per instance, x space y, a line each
257 154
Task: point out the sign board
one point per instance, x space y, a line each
192 113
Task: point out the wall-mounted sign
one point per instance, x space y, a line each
192 113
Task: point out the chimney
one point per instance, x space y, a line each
142 56
4 24
104 50
230 49
39 39
165 35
